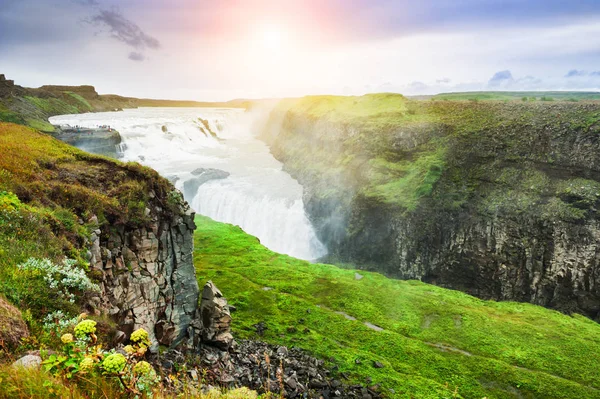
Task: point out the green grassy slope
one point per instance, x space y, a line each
435 343
33 110
519 95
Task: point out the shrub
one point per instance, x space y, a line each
9 201
81 360
57 322
62 278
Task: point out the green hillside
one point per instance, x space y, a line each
519 95
435 343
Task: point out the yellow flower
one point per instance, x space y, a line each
85 328
67 338
142 368
129 350
86 364
140 337
114 363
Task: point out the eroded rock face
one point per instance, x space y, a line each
148 276
216 318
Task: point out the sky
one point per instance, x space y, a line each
225 49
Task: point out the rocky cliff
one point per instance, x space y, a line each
131 226
498 200
148 277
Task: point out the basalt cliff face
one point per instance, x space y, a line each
148 276
497 200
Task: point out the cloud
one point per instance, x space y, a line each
125 31
501 78
136 56
595 73
443 81
575 73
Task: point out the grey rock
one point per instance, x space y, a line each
28 362
378 365
148 276
216 319
202 175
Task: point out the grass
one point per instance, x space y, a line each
348 109
35 384
435 343
573 96
82 104
40 125
52 106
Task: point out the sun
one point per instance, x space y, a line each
271 37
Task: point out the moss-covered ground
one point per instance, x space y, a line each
435 343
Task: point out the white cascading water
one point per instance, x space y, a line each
258 195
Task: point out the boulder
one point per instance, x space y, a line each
28 362
216 319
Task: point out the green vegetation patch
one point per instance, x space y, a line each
572 96
371 107
52 106
83 104
433 342
40 125
381 146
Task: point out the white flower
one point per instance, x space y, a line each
66 276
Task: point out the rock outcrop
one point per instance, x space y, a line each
216 319
7 87
148 276
87 92
101 141
201 176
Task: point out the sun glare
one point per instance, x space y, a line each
271 37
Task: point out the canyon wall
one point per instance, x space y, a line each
497 200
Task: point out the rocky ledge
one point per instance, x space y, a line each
101 141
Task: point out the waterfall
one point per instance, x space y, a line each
120 149
251 189
280 223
